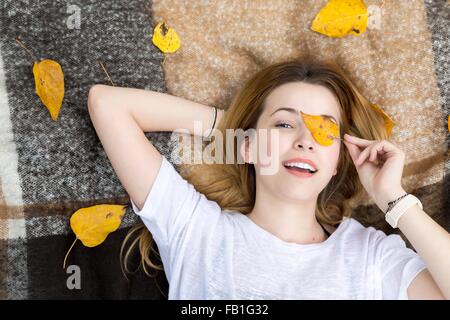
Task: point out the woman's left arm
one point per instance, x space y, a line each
432 243
380 166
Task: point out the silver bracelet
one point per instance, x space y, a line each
214 123
391 204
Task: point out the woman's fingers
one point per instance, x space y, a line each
363 155
374 152
353 150
358 141
382 148
371 149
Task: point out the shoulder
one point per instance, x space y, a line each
232 217
355 230
375 240
355 227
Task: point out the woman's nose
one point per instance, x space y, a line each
304 140
304 145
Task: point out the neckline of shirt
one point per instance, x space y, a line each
273 240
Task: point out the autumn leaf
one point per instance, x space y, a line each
324 129
448 123
341 17
92 224
49 80
388 122
166 39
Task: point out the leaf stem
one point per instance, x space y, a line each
334 137
106 72
23 46
67 254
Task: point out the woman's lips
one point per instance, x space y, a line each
299 174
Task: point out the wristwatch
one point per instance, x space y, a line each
394 213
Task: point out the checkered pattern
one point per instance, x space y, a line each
51 169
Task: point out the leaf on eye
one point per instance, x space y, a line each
341 17
388 122
49 81
166 39
93 224
323 129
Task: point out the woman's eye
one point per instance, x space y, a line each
282 124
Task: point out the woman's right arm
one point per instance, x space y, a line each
121 116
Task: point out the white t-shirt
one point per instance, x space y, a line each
209 253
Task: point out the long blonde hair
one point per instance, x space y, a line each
232 186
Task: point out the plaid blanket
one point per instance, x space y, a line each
48 170
51 169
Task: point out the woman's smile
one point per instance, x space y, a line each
301 173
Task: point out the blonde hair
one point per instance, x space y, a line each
232 186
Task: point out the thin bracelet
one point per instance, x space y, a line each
214 122
391 204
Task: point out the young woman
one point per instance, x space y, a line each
228 231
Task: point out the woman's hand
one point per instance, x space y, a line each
380 166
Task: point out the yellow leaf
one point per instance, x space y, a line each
49 81
388 122
323 129
166 39
341 17
448 123
93 224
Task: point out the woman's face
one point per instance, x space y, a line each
294 141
